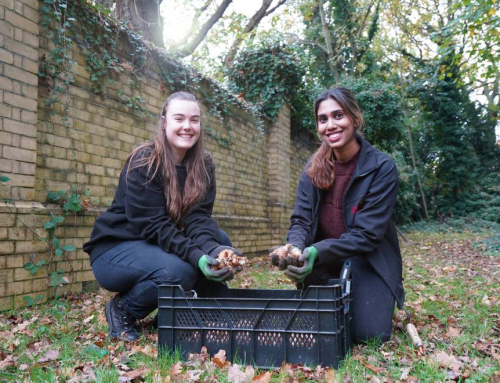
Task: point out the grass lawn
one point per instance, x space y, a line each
452 294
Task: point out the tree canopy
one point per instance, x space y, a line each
426 75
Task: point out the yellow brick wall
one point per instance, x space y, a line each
256 176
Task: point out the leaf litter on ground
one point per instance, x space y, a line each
452 298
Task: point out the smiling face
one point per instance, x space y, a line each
182 127
337 129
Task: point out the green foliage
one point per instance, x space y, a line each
381 106
490 245
71 202
407 206
4 179
269 73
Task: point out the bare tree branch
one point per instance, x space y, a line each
274 8
191 47
252 24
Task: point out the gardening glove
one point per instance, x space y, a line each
308 257
290 259
221 275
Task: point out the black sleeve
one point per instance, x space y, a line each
371 221
302 217
199 224
145 210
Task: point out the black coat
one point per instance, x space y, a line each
138 213
367 204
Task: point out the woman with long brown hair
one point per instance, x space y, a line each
343 209
159 228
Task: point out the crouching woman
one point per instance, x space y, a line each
159 228
345 199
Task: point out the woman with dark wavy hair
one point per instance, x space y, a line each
159 228
343 210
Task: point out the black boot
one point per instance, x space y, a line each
121 324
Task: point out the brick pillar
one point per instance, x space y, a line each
19 39
279 150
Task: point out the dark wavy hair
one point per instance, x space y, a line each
321 167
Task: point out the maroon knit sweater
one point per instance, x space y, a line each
331 221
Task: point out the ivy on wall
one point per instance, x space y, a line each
109 47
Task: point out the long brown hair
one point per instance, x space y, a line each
157 156
321 167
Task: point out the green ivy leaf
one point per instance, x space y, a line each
28 266
53 196
29 301
48 225
59 252
69 248
4 179
58 219
56 243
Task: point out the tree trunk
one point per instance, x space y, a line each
143 16
328 43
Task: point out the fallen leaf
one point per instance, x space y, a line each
376 370
404 373
263 378
236 375
448 361
128 376
48 356
176 369
89 319
452 332
8 361
220 359
495 355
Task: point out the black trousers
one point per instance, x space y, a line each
135 269
372 302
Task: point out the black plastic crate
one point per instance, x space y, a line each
260 327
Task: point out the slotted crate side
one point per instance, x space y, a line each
312 330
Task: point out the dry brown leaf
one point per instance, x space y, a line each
330 376
222 363
448 361
194 375
236 375
131 375
453 332
495 355
263 378
373 368
8 361
176 369
48 356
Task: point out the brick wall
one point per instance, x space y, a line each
256 176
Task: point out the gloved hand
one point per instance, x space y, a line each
284 256
308 257
221 275
215 252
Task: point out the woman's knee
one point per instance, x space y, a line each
182 273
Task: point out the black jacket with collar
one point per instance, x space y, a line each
367 204
138 213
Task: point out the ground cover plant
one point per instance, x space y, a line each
453 298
